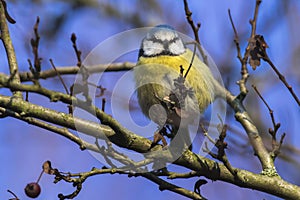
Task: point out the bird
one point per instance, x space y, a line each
163 58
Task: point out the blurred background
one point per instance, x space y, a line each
24 148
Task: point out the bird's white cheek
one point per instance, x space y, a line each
177 48
152 48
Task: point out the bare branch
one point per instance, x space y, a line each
273 132
277 146
130 140
10 52
77 52
70 70
217 171
164 185
240 112
59 76
60 131
35 46
275 125
8 17
195 29
253 22
205 166
221 146
12 193
79 178
282 79
244 70
257 52
236 38
245 120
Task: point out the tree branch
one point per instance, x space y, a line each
253 22
60 131
70 70
236 102
282 79
244 70
10 52
79 178
236 39
204 166
245 120
164 185
195 29
127 139
217 171
124 139
273 132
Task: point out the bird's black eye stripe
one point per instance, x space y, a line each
141 52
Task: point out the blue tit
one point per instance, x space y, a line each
161 54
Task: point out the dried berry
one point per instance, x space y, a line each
33 190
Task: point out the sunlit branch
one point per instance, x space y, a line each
60 131
9 49
71 70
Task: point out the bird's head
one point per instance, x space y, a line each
162 40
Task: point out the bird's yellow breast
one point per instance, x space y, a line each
155 76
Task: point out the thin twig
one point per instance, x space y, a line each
253 22
282 79
103 104
102 150
258 51
16 198
273 132
221 145
35 45
236 38
205 133
79 179
266 104
77 52
277 146
110 152
195 29
191 62
164 185
244 70
59 76
83 71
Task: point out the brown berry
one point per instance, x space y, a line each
33 190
